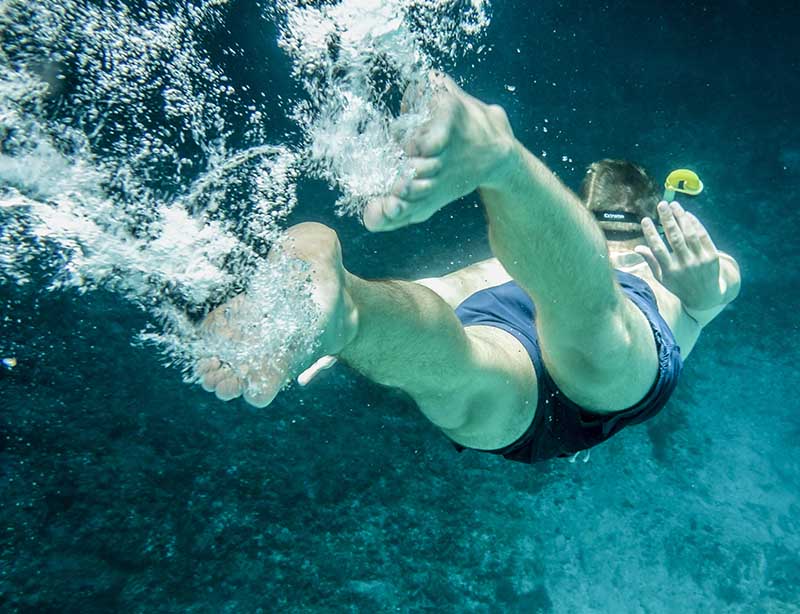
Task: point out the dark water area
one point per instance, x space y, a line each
124 490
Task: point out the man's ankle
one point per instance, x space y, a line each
353 287
507 163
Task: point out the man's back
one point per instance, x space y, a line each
456 286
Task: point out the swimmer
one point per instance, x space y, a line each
577 327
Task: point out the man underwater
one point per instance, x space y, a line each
575 329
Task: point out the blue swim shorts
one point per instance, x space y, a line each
560 427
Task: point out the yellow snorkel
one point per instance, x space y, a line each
684 181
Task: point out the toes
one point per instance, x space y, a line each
209 381
384 213
259 398
425 168
263 387
372 217
218 323
413 95
206 365
430 141
434 141
392 213
229 388
412 191
393 207
212 379
411 149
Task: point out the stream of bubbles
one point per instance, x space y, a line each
117 168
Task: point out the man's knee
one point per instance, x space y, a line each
492 396
605 368
587 338
447 413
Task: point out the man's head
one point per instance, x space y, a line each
620 186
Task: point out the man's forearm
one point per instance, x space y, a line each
546 239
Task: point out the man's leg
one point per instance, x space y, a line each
597 345
473 382
399 334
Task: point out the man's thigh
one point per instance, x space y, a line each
614 367
503 395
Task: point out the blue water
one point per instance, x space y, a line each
122 489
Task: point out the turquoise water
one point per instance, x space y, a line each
124 489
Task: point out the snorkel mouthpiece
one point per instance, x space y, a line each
684 181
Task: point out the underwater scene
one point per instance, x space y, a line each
203 201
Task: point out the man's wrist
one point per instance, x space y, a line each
700 312
694 317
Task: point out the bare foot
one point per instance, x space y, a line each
458 150
319 246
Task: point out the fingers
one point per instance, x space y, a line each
687 228
651 260
702 236
673 230
695 236
326 362
657 247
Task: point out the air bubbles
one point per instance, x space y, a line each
121 165
354 59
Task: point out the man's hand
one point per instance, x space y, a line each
692 271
